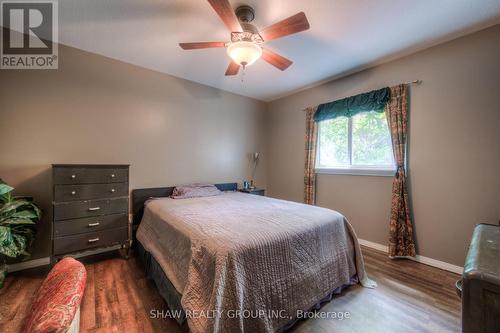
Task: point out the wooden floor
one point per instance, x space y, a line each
410 297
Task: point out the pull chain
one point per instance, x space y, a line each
243 72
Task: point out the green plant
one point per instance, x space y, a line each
18 216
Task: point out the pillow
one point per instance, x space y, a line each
195 191
58 299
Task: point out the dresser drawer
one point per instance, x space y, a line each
94 175
89 224
88 208
90 191
89 240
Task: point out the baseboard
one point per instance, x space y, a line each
439 264
372 245
28 264
421 259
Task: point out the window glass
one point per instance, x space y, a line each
332 141
371 141
363 141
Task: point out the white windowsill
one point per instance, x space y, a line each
356 171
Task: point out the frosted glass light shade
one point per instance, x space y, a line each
244 53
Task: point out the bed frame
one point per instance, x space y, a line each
153 269
141 195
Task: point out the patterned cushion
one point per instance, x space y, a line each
58 298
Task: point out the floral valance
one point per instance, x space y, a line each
347 107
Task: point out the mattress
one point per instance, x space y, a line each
240 261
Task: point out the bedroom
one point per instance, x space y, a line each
122 107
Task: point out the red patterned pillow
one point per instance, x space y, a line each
58 298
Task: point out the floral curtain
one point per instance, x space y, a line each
401 241
309 173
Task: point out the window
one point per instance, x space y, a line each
358 145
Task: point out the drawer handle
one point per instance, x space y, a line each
94 224
73 176
93 240
113 190
113 175
94 208
73 192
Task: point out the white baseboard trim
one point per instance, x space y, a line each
421 259
372 245
28 264
439 264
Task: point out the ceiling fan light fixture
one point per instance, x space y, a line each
244 53
244 48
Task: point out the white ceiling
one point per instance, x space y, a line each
345 35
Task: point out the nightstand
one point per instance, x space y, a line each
256 191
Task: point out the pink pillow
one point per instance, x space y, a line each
195 191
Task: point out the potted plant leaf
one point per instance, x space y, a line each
18 216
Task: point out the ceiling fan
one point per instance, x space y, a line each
245 45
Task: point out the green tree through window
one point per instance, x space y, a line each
362 141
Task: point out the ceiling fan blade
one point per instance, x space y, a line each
276 60
226 13
201 45
232 69
288 26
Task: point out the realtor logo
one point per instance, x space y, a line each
29 35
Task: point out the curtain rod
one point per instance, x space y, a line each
415 82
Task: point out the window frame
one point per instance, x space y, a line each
358 170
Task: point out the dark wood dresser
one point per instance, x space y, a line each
90 207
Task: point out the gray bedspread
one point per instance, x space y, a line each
264 257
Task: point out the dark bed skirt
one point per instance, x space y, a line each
173 298
167 290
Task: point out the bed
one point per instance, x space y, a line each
238 262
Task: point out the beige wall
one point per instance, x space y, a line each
454 159
97 110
